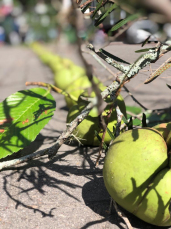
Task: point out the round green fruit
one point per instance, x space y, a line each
85 131
137 175
68 76
165 131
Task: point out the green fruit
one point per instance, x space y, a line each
68 76
155 206
137 175
165 130
54 62
85 131
78 86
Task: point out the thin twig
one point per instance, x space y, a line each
119 119
134 115
51 86
124 28
122 215
88 67
134 99
104 126
100 102
7 164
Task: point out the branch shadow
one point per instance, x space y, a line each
96 197
40 174
37 176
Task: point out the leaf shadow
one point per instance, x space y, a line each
38 175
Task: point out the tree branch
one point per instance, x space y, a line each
151 56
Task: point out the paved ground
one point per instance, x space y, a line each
67 192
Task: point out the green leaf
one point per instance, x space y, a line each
136 122
97 8
85 8
134 109
146 40
144 50
144 123
124 119
104 15
113 57
153 118
100 140
22 116
110 134
124 21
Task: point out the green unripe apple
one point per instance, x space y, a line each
137 175
85 131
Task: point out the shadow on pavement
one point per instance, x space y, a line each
97 198
39 174
36 176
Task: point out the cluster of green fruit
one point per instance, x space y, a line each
137 168
137 173
86 129
73 80
67 76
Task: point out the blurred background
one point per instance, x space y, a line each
24 21
43 20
